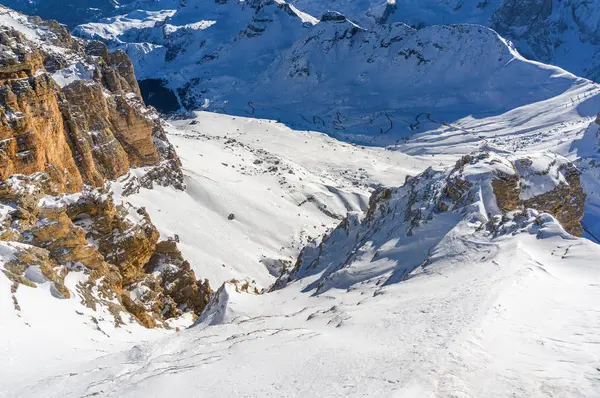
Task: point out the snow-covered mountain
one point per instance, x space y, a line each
563 33
454 255
266 59
206 42
75 12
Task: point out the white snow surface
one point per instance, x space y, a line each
510 316
513 315
450 311
49 332
19 22
486 317
541 173
64 77
283 187
450 329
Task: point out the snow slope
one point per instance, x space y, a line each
338 177
468 305
489 314
41 330
283 187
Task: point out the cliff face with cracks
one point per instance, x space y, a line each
72 109
71 119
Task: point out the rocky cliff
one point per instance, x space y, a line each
71 108
484 193
72 119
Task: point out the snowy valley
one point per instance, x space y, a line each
338 199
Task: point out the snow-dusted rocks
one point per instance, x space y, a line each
114 250
552 183
484 192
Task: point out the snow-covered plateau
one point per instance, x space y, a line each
383 205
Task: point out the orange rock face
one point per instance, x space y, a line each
32 133
82 129
116 248
72 118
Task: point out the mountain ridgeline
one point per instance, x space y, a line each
368 83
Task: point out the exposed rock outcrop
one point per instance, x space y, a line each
72 119
32 133
564 196
72 109
114 248
545 182
484 192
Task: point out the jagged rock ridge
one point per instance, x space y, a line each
490 194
